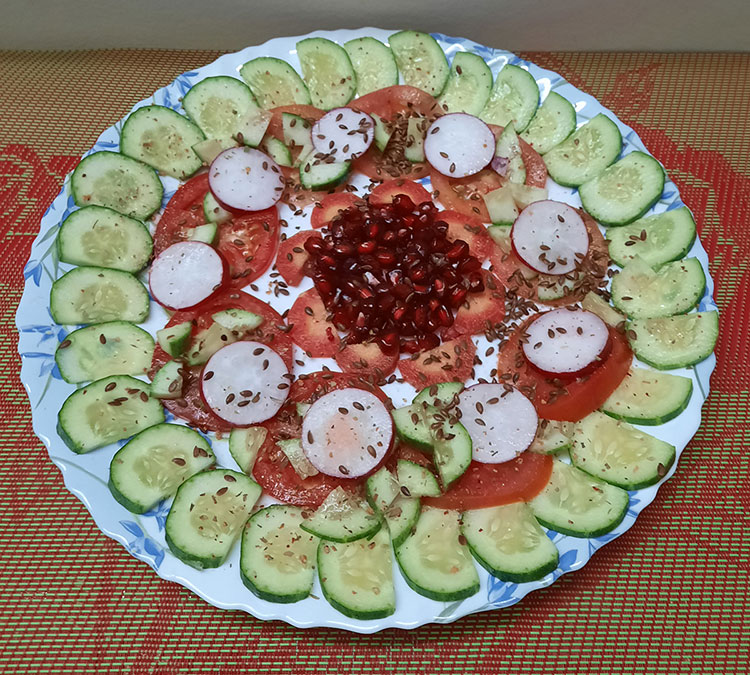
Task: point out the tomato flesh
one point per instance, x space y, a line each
452 361
311 331
366 357
469 229
292 257
484 310
331 206
384 194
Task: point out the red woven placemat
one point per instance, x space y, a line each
671 595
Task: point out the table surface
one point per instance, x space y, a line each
671 595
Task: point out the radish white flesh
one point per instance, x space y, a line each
185 274
245 179
502 423
565 342
459 145
245 383
343 134
550 237
341 440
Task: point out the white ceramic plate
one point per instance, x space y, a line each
143 536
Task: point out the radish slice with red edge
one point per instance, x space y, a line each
245 383
550 237
346 433
566 342
459 145
343 134
245 179
185 274
501 421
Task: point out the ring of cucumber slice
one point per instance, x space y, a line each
399 520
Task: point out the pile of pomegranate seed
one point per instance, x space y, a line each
389 273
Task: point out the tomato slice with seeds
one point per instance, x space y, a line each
292 257
330 207
384 194
486 485
311 331
451 361
306 112
525 282
576 398
247 241
480 311
471 230
366 358
272 332
273 472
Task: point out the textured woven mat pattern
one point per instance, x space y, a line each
671 595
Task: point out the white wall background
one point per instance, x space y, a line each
542 25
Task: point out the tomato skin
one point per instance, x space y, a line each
364 358
486 485
191 407
275 475
384 193
290 262
307 112
420 375
310 329
331 205
484 307
583 395
258 230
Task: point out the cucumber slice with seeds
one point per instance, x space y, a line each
410 426
154 463
317 175
401 518
217 104
214 212
514 98
641 292
442 394
97 294
674 341
575 503
357 577
106 411
649 397
552 123
277 151
274 82
421 60
585 153
469 84
625 190
297 135
163 139
373 63
381 489
657 239
509 543
206 234
509 147
175 339
327 71
168 382
343 517
100 237
277 560
596 304
619 453
244 445
208 513
112 348
118 182
416 481
551 437
434 561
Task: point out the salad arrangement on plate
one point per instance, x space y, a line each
378 282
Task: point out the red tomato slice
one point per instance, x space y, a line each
307 112
191 407
384 194
364 358
292 257
485 485
471 230
484 310
272 470
572 401
310 329
387 103
465 194
518 277
451 361
247 241
330 207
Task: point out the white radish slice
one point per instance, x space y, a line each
343 134
185 274
502 422
245 179
346 433
550 237
245 383
459 145
565 342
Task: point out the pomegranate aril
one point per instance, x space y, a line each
367 247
